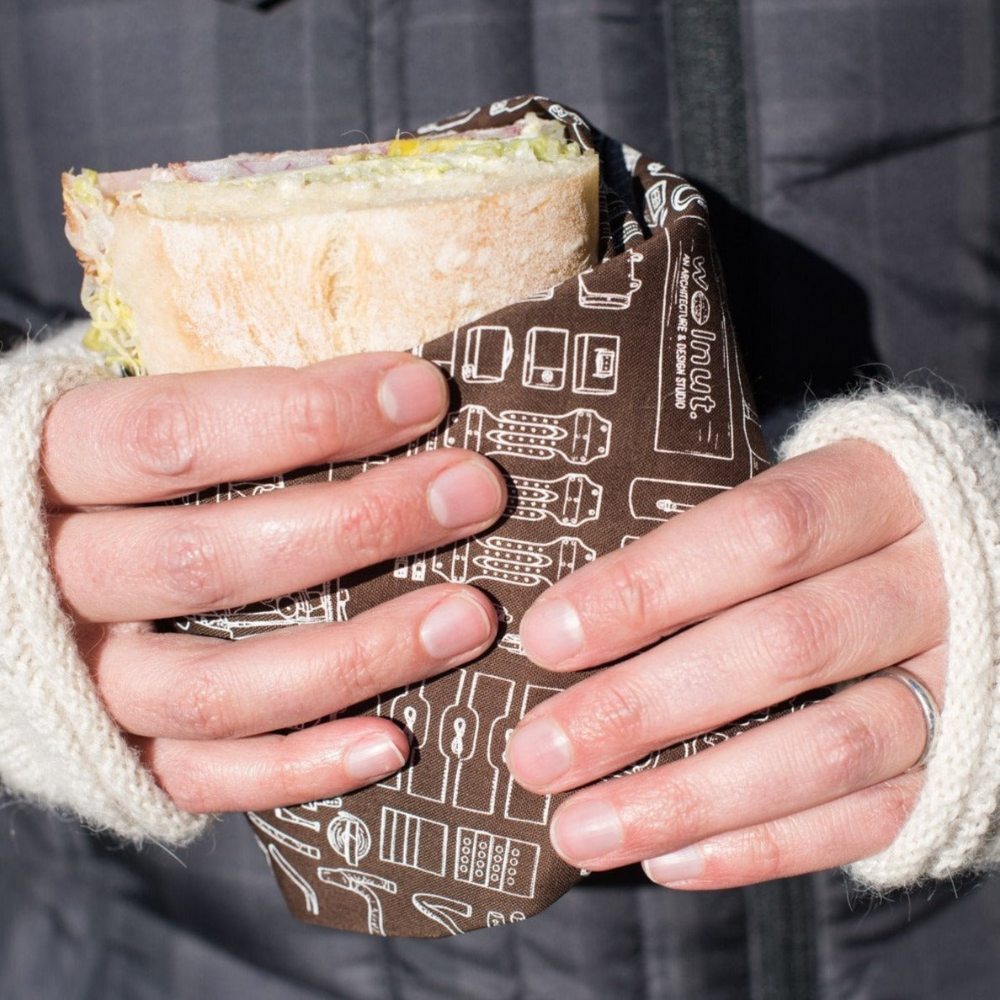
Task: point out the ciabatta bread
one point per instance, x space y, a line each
294 257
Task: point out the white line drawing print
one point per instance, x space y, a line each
429 780
595 364
545 351
657 204
285 839
488 353
684 196
299 881
495 918
442 910
562 114
513 561
645 764
661 499
324 603
477 741
499 107
570 501
365 885
511 642
441 351
627 540
350 837
410 567
449 123
579 437
287 816
411 709
502 864
590 294
413 841
522 804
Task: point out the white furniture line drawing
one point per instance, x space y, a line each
413 841
488 354
297 879
595 364
579 437
592 294
363 884
570 501
492 861
285 839
545 353
521 804
511 560
442 910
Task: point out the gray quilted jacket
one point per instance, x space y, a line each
851 152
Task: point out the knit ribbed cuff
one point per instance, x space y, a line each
58 745
951 457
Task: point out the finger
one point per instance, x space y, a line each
193 688
264 772
872 613
864 735
144 563
146 439
828 836
796 520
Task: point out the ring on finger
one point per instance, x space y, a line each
932 715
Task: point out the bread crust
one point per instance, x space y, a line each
295 286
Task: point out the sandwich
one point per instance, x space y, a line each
290 258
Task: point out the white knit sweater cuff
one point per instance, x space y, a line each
951 457
58 745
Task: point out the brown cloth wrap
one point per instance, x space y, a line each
612 402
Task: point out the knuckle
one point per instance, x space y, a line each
292 773
367 522
312 417
626 591
200 707
763 854
895 805
620 709
161 435
354 666
848 750
782 521
686 806
794 636
190 567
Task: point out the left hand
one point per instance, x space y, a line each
819 571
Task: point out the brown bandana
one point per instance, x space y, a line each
611 402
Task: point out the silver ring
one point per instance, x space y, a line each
925 700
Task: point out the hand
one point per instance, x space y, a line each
817 572
202 711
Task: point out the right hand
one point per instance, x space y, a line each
204 713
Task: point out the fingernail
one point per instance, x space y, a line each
373 757
412 393
585 831
463 495
551 632
538 753
678 866
457 625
